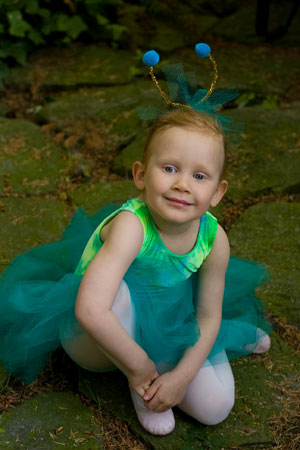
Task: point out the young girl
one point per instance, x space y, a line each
151 287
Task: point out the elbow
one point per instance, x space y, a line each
84 311
88 314
81 313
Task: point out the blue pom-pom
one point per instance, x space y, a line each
202 49
151 58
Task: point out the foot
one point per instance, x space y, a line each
263 345
156 423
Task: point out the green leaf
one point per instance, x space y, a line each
245 99
102 20
36 37
17 50
33 8
134 71
18 26
116 31
73 26
270 102
1 430
77 25
48 26
1 28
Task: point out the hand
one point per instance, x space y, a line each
165 392
142 378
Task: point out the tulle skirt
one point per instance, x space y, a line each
37 301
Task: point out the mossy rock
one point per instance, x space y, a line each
93 197
270 234
240 26
133 152
259 71
167 38
104 104
266 159
29 162
48 421
76 65
27 222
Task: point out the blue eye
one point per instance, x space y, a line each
199 176
169 169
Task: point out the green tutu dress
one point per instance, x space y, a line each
39 288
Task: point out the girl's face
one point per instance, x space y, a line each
181 179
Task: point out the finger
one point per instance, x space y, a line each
152 390
139 390
161 408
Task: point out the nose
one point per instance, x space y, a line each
181 183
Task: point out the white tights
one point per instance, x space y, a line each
210 396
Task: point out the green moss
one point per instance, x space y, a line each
133 152
269 233
92 197
266 159
29 162
105 104
48 421
240 26
27 222
75 65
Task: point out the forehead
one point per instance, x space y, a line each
182 139
180 144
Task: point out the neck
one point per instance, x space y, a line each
180 238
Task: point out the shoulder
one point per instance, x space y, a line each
124 231
131 216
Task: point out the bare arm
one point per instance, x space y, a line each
209 310
169 388
97 292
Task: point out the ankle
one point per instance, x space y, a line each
155 423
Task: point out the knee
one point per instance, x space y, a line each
217 410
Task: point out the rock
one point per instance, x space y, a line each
93 197
133 152
269 233
105 104
110 111
256 71
166 38
240 26
75 65
29 162
266 159
50 420
27 222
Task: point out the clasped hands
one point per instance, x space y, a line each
159 392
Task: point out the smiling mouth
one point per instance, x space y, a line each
177 201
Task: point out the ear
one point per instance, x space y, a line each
220 192
138 172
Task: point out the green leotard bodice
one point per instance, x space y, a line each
179 267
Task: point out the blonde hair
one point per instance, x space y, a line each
189 119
